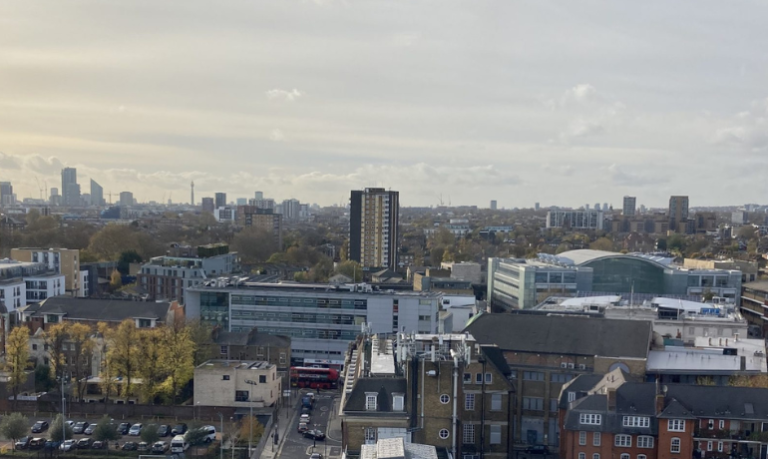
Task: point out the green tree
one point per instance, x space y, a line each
602 243
351 269
195 436
201 335
676 243
125 260
112 240
56 430
254 245
43 380
149 434
17 354
115 281
178 357
436 255
13 427
105 431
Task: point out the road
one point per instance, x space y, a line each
296 446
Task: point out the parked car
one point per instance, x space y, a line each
142 446
51 445
123 428
303 427
209 434
89 430
84 443
70 423
68 445
23 443
159 447
537 449
135 430
99 445
79 427
164 430
40 426
37 443
304 418
316 456
305 410
179 429
315 434
129 446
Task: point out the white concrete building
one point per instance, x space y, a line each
236 383
22 283
584 219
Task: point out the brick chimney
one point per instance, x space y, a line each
611 399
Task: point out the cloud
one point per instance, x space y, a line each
632 179
276 135
590 113
280 94
565 169
749 129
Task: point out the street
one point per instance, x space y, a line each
296 446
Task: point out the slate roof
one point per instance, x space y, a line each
384 387
589 336
101 310
581 383
496 357
257 339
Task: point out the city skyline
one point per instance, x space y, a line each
310 99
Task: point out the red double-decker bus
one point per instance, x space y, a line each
314 378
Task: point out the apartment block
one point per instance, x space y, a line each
374 227
62 261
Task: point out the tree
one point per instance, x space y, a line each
54 338
17 355
43 381
201 335
80 337
115 281
14 427
106 374
112 240
254 245
178 358
245 430
676 243
125 260
195 436
749 381
122 352
105 431
436 256
351 269
149 434
56 430
602 243
149 351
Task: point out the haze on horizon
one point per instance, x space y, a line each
563 103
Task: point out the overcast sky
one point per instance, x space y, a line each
563 103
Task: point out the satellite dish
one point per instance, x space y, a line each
665 389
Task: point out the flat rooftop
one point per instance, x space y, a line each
675 360
276 288
238 364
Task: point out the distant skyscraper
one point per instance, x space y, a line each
258 195
192 192
536 206
373 227
678 212
221 200
597 206
126 199
605 207
70 190
291 209
242 201
97 194
208 205
6 194
493 204
629 206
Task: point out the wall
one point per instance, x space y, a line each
211 389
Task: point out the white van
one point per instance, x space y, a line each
179 444
210 432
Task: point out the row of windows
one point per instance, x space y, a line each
298 317
469 401
332 303
478 378
537 404
623 456
307 332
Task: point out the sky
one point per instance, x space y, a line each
562 103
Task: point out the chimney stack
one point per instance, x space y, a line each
611 399
659 403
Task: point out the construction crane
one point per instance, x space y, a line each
39 187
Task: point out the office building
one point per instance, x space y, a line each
69 187
493 204
546 351
374 227
536 206
126 199
166 277
22 283
291 209
208 205
522 284
258 196
97 194
264 219
251 345
235 383
221 200
62 261
6 194
320 319
242 201
576 219
614 418
678 213
629 206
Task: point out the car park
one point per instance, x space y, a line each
40 426
142 446
37 443
179 429
159 447
315 434
79 427
89 430
68 445
135 430
164 430
70 423
129 446
23 443
51 445
84 443
99 445
123 428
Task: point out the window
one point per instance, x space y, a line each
636 421
595 456
398 403
721 424
468 438
623 440
644 441
560 377
225 377
624 456
443 433
495 402
709 446
582 455
370 402
582 438
720 446
223 350
34 347
496 434
553 405
591 419
676 425
597 438
145 323
467 378
571 396
241 395
675 445
370 436
469 402
533 376
533 403
445 399
479 378
642 456
488 378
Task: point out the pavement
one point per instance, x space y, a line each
293 445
